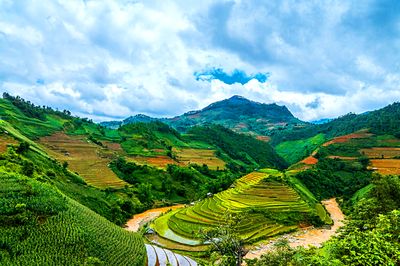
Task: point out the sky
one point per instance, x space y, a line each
108 60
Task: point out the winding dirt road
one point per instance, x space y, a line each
308 236
142 218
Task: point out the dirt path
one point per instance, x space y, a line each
308 236
142 218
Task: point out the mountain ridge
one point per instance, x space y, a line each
237 113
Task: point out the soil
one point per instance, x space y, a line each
140 219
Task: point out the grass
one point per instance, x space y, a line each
87 159
47 228
263 197
294 151
361 193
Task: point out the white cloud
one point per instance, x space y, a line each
111 59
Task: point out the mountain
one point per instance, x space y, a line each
236 113
321 121
139 118
239 114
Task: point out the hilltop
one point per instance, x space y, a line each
236 113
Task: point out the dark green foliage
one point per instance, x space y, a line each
175 184
239 147
31 110
332 178
380 122
290 217
23 147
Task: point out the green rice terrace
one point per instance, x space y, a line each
273 202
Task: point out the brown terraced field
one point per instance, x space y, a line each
200 157
184 156
87 159
381 152
386 166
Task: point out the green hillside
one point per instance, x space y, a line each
296 150
380 122
41 226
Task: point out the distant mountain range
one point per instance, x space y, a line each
236 113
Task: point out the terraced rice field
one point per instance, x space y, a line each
183 157
346 138
159 161
381 152
255 191
200 157
87 159
163 257
386 166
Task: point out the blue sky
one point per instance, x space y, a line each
111 59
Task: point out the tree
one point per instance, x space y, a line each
226 240
23 147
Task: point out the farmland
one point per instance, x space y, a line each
264 197
362 134
381 152
159 161
45 227
84 157
294 151
386 166
183 157
200 157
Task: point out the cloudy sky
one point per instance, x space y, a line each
111 59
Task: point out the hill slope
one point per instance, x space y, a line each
236 113
41 226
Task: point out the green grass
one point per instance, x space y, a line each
361 193
41 226
294 151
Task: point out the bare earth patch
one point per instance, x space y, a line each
142 218
310 160
306 236
6 140
346 138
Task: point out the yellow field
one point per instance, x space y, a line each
160 161
200 157
381 152
386 166
87 159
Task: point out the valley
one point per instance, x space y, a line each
65 176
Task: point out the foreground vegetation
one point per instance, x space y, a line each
272 202
369 238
